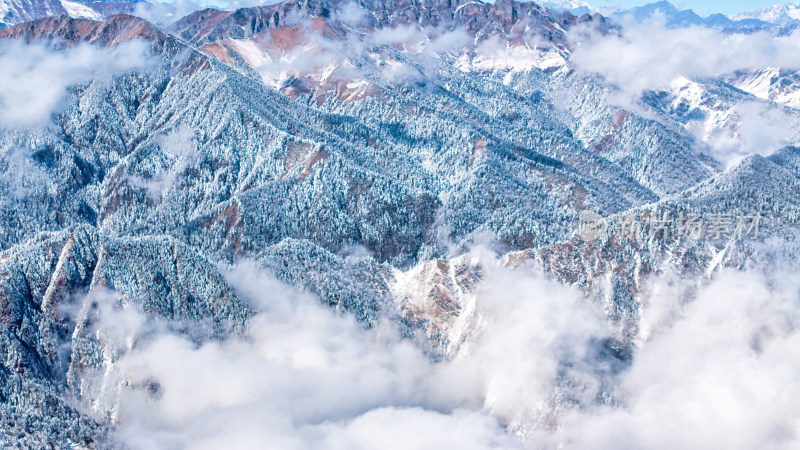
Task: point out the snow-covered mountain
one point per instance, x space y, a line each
19 11
668 14
785 14
363 155
774 84
576 7
13 11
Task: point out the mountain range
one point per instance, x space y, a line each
786 14
775 17
783 15
359 152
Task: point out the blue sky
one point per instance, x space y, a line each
703 7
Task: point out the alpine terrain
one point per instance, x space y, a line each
398 224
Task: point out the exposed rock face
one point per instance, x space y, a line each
440 297
505 17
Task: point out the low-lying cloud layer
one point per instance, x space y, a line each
652 57
302 376
718 372
716 369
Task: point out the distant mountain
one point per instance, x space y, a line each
784 14
666 12
14 12
778 85
778 18
576 7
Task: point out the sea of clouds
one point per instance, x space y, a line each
716 365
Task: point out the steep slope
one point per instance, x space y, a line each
534 64
319 140
744 216
777 85
48 318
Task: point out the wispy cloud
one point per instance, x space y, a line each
652 57
36 79
714 372
648 57
179 149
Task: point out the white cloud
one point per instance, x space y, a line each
180 150
533 331
339 61
402 34
720 371
650 56
301 375
21 175
351 14
304 376
761 129
718 368
166 12
35 79
415 428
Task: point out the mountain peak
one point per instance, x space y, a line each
113 31
475 17
663 4
673 17
781 14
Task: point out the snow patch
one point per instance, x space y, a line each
778 14
80 11
513 58
250 52
769 84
